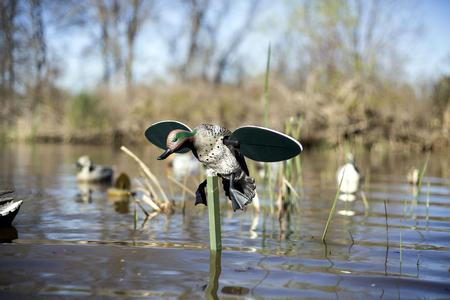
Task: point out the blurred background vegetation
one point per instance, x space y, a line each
101 71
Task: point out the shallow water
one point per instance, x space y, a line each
64 244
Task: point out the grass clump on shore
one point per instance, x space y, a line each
86 112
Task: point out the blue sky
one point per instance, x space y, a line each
427 55
430 57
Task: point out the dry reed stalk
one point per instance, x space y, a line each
146 183
181 185
142 207
147 172
289 185
150 202
148 199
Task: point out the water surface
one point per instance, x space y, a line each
65 244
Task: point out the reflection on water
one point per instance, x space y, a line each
235 290
67 245
86 190
215 267
8 234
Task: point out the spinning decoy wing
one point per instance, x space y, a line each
264 144
158 132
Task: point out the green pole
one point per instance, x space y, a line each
215 236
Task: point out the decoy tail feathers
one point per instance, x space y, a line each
242 193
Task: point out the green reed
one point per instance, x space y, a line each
267 175
266 89
297 160
401 251
428 203
422 172
333 208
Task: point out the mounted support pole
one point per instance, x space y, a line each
215 235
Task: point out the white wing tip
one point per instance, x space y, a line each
175 121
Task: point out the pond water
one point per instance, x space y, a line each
64 244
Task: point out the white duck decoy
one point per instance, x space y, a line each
413 176
184 165
349 175
93 173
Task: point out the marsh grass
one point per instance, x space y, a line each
333 208
285 180
153 193
387 237
267 175
86 112
427 203
401 251
422 173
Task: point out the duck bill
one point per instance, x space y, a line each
165 154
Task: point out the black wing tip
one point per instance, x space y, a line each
147 133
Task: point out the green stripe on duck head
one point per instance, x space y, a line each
175 140
181 135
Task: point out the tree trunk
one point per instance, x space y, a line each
39 50
198 11
132 29
102 14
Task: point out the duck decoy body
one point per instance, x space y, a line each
8 209
222 152
93 173
413 176
348 176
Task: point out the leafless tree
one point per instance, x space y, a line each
139 12
8 12
233 45
39 48
208 54
197 13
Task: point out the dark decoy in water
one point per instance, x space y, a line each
8 209
222 152
93 173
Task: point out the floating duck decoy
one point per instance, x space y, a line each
413 176
121 189
349 175
184 165
8 209
93 173
222 152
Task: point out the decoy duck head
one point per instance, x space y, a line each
350 158
84 161
175 140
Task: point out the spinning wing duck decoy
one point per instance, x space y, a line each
222 152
